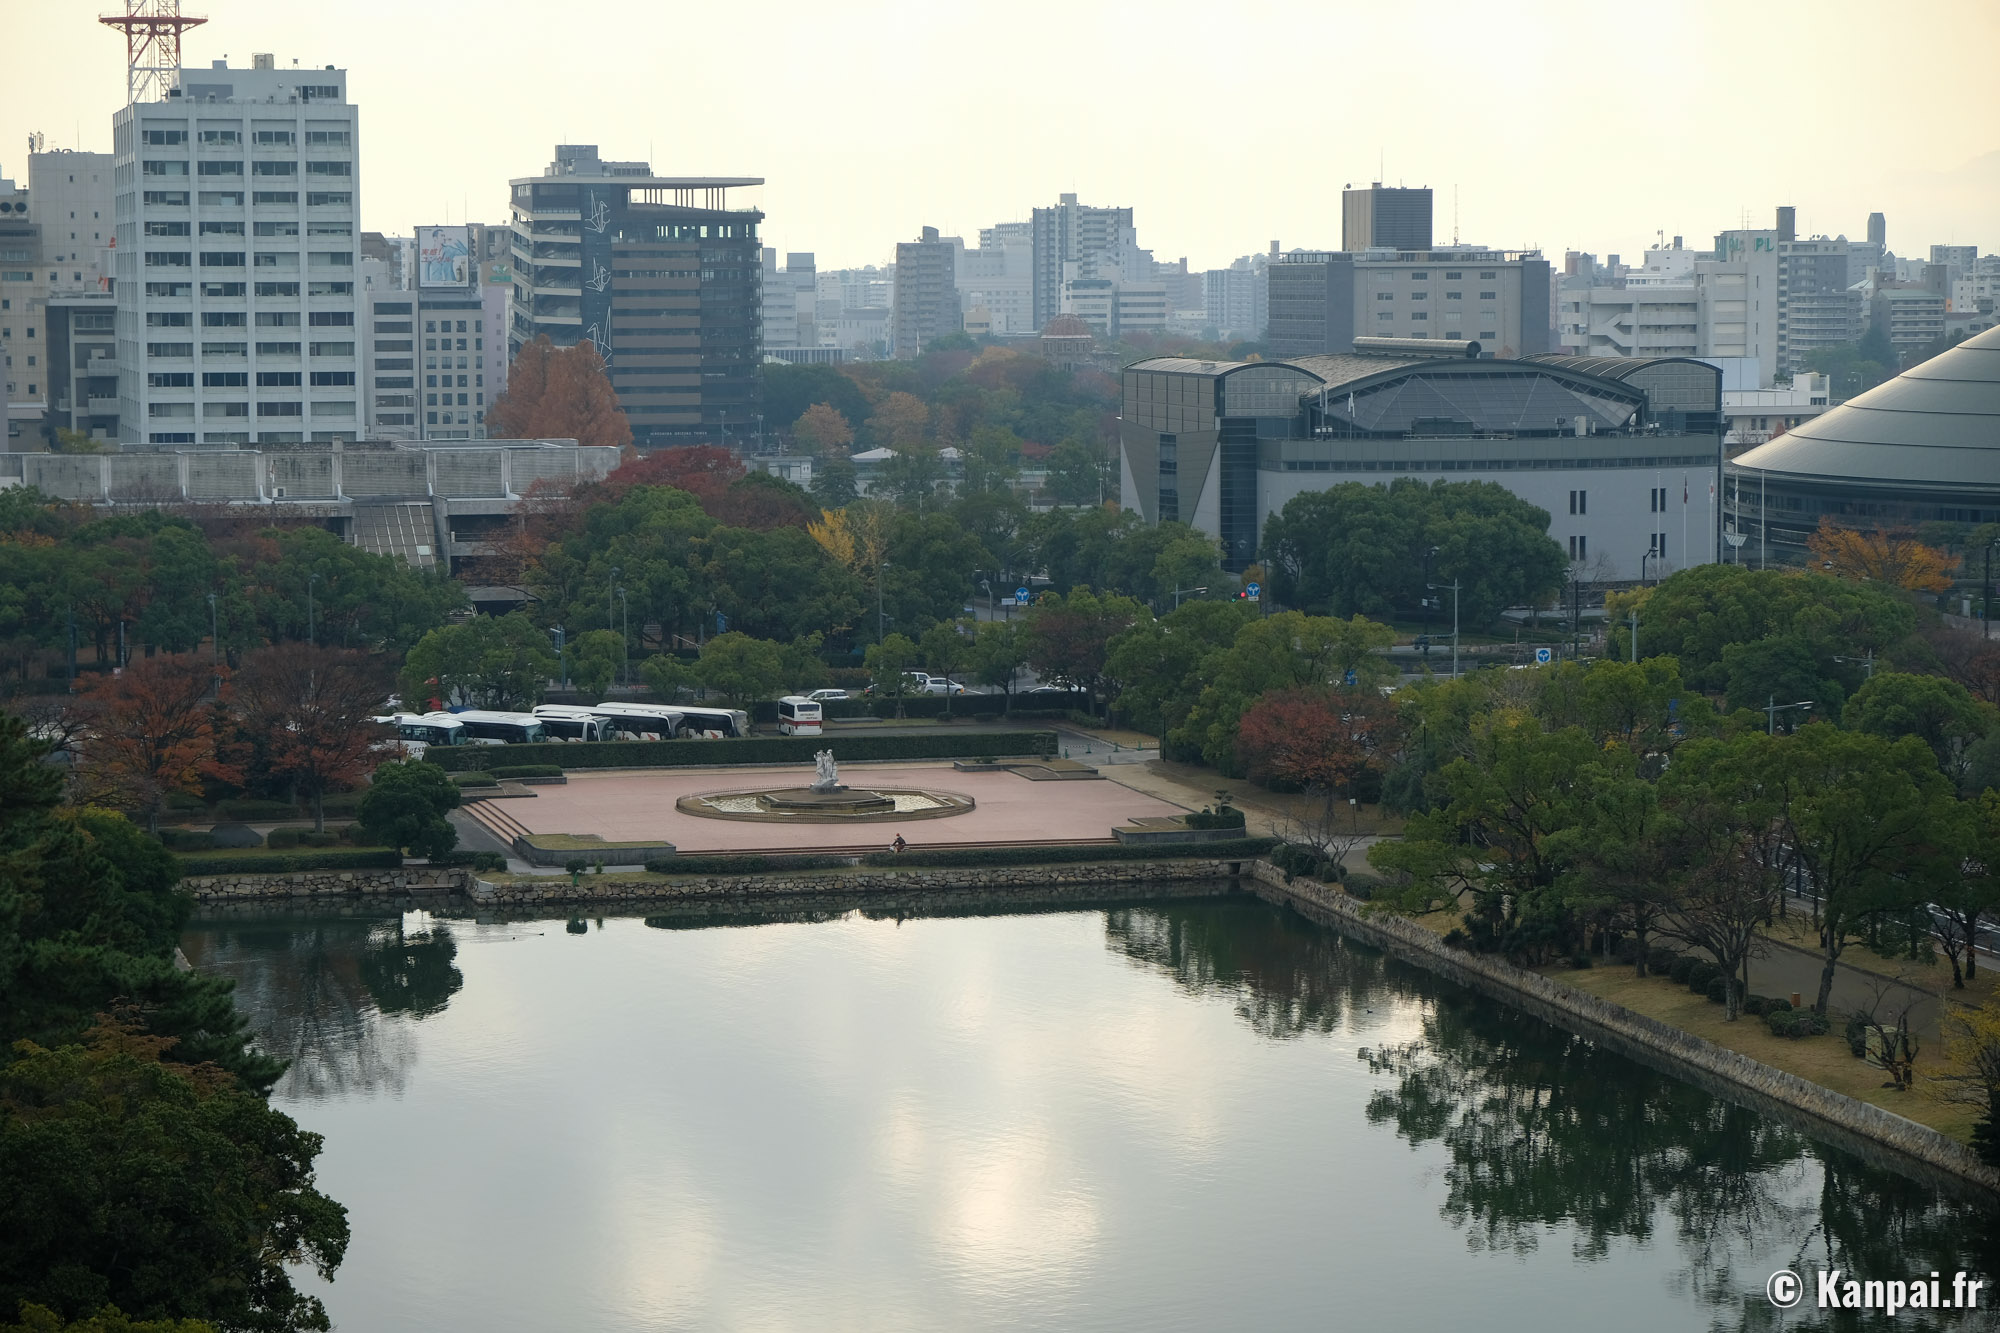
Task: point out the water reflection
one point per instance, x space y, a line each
318 992
1548 1135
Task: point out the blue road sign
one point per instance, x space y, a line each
1021 594
1544 656
1253 590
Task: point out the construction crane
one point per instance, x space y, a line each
152 31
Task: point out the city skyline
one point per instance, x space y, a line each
838 109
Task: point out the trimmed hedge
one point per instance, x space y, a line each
475 778
186 840
1700 975
1236 849
527 771
247 808
280 863
1789 1022
1683 967
1660 962
1717 990
743 865
476 860
745 750
1227 817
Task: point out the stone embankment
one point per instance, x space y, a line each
1849 1123
324 884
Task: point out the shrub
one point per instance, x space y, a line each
1580 961
1226 816
187 840
1754 1005
1782 1022
527 771
1856 1033
1700 975
1717 989
742 865
1777 1004
280 863
1236 849
475 779
476 860
247 808
1456 938
342 802
1811 1024
319 838
235 835
406 804
284 837
1661 961
749 750
1681 968
1625 950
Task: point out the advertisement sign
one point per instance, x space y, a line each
444 256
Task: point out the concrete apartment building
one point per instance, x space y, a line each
24 294
1817 306
659 272
1073 240
1236 301
73 207
925 302
1380 217
999 279
789 299
236 210
1321 301
1912 314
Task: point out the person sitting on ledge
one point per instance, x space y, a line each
898 845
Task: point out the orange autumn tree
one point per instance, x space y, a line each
822 429
305 714
154 734
1891 557
558 393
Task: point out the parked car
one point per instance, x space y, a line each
939 685
914 682
1047 690
825 696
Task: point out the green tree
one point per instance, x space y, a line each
595 658
1164 664
891 661
1860 815
1938 712
342 596
998 654
165 1190
947 650
1288 651
779 584
1780 670
405 807
646 542
502 662
932 564
833 482
741 669
183 571
1077 475
1069 638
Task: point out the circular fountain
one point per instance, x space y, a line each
826 801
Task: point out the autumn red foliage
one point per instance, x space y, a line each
303 717
1315 739
153 734
559 393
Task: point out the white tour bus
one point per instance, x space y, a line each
640 721
713 721
566 722
416 734
483 728
798 716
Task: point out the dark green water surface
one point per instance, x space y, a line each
1197 1114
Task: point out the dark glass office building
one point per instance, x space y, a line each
660 273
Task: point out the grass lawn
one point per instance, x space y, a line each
583 842
1824 1060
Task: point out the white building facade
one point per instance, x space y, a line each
237 210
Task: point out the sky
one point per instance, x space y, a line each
1592 125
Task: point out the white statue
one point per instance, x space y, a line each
826 775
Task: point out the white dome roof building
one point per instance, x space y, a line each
1922 448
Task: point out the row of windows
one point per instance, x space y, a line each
431 381
263 229
1449 296
234 198
167 138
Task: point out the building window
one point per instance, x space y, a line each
1488 296
1656 500
1579 548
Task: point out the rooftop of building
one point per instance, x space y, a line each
580 162
1935 426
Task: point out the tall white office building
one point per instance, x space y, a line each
237 213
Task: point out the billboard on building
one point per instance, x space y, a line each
444 256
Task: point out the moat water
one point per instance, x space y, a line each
1192 1114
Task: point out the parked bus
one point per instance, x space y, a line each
719 721
485 728
566 722
640 721
798 716
417 734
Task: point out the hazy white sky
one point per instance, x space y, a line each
1564 124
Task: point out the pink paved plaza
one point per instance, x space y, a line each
633 807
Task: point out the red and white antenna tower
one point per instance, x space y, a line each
152 31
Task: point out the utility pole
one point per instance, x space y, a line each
878 600
1774 708
312 629
562 655
625 638
1986 597
1633 619
1434 587
214 638
611 597
72 647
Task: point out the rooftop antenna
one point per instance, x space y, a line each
152 31
1454 215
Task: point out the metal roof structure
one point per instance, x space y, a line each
1609 367
1934 428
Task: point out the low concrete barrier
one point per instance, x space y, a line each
316 884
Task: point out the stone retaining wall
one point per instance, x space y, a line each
1086 879
319 884
1857 1126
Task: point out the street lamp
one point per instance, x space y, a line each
879 621
1179 591
1774 708
624 639
562 654
1454 585
1867 664
312 632
1650 553
1986 593
992 604
611 595
214 639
